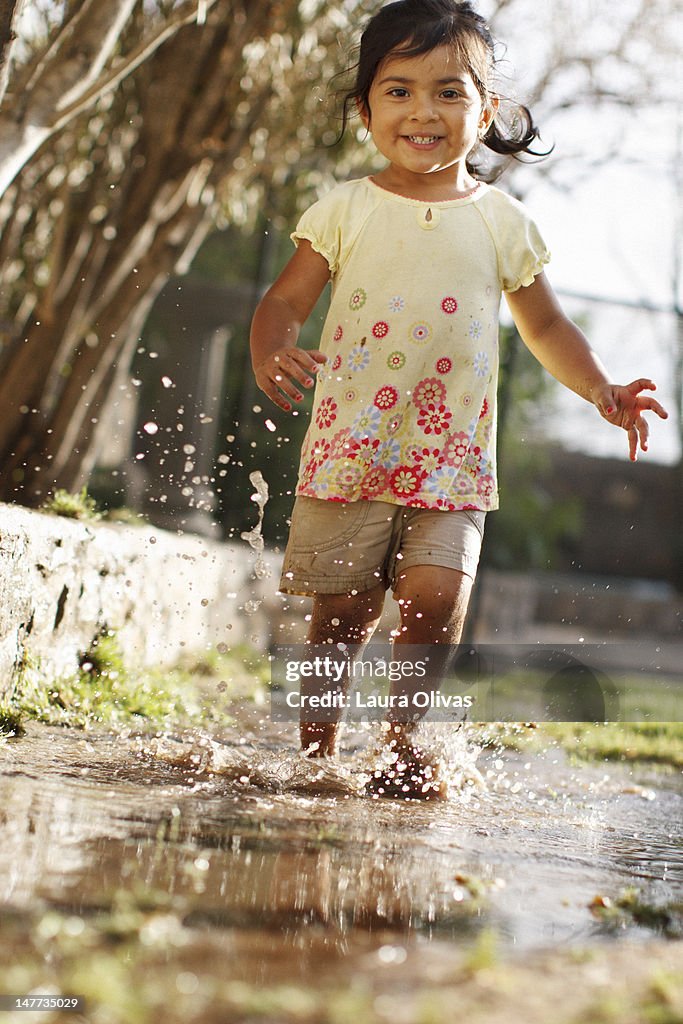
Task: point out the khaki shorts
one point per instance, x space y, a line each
340 547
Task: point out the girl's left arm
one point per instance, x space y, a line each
564 351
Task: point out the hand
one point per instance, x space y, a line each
277 373
623 405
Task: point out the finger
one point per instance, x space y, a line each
285 384
298 369
317 355
607 408
642 384
633 444
653 405
276 396
643 429
310 359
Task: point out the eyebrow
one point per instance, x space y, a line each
408 81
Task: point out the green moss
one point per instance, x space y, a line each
663 1002
10 721
633 906
72 506
484 954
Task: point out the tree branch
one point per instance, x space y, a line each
74 73
9 13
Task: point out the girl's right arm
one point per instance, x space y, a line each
278 364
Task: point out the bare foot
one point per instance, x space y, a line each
319 739
413 774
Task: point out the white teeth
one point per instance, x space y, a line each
423 140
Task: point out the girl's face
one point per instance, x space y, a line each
424 115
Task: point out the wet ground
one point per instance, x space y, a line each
226 878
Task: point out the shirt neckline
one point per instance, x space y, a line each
472 197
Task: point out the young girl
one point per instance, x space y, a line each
398 468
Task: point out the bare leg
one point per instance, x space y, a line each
433 603
338 618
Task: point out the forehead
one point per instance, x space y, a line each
439 65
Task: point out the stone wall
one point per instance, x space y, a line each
62 583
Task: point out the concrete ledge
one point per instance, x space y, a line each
63 582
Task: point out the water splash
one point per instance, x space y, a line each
254 537
250 765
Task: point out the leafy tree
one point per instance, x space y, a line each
122 196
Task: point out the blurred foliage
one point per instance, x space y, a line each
530 525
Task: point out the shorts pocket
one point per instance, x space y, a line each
319 525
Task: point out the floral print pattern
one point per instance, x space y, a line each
434 418
386 397
359 357
404 410
481 364
366 422
358 299
405 481
401 441
421 333
429 390
327 413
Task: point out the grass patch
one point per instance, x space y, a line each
651 742
106 692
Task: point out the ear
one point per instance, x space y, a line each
364 112
488 113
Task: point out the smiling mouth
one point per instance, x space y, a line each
423 140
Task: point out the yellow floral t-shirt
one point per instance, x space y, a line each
405 407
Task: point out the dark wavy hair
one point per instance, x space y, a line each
410 28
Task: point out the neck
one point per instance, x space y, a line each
429 187
451 183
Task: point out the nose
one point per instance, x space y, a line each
423 110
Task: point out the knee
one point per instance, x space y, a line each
438 605
347 617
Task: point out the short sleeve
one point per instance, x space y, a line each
333 223
317 227
520 248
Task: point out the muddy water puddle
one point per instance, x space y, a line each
251 837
